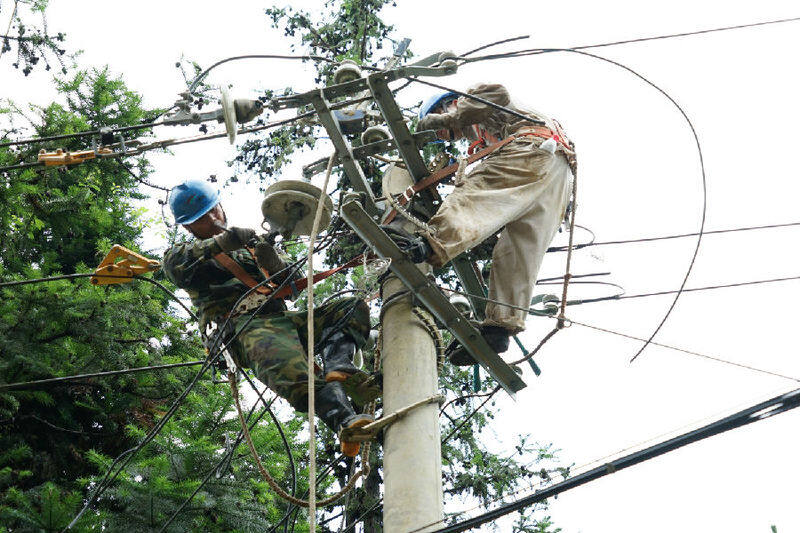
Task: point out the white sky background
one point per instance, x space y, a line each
639 177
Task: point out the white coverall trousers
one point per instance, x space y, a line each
523 188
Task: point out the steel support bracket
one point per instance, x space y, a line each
371 430
431 297
366 150
344 151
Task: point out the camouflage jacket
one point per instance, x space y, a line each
213 289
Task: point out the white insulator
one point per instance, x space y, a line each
228 114
375 134
281 202
348 70
461 303
372 340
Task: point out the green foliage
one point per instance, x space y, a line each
27 31
56 442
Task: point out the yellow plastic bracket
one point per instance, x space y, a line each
60 157
120 265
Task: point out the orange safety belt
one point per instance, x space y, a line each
241 274
439 175
301 284
443 173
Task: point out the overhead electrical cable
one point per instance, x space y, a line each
760 411
155 145
677 236
79 134
78 377
690 289
675 348
495 43
203 74
534 51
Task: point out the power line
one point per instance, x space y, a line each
495 43
632 337
760 411
50 381
677 236
692 289
79 134
533 51
689 352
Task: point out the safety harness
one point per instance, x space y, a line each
485 139
262 291
489 144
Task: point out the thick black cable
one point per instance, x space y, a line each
760 411
533 51
677 236
495 43
704 185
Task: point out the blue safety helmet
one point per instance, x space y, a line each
435 101
192 199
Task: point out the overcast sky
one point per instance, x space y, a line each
639 177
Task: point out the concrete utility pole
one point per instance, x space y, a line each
412 455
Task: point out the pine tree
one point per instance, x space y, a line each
57 441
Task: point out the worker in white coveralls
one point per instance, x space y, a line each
523 189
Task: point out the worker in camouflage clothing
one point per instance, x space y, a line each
217 269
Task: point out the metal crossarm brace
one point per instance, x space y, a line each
379 85
366 150
343 150
430 296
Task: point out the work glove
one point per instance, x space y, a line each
434 121
268 258
234 238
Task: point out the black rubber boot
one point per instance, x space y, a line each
337 366
495 336
335 410
416 247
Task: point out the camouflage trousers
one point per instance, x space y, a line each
275 346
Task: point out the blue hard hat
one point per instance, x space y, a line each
192 199
436 100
